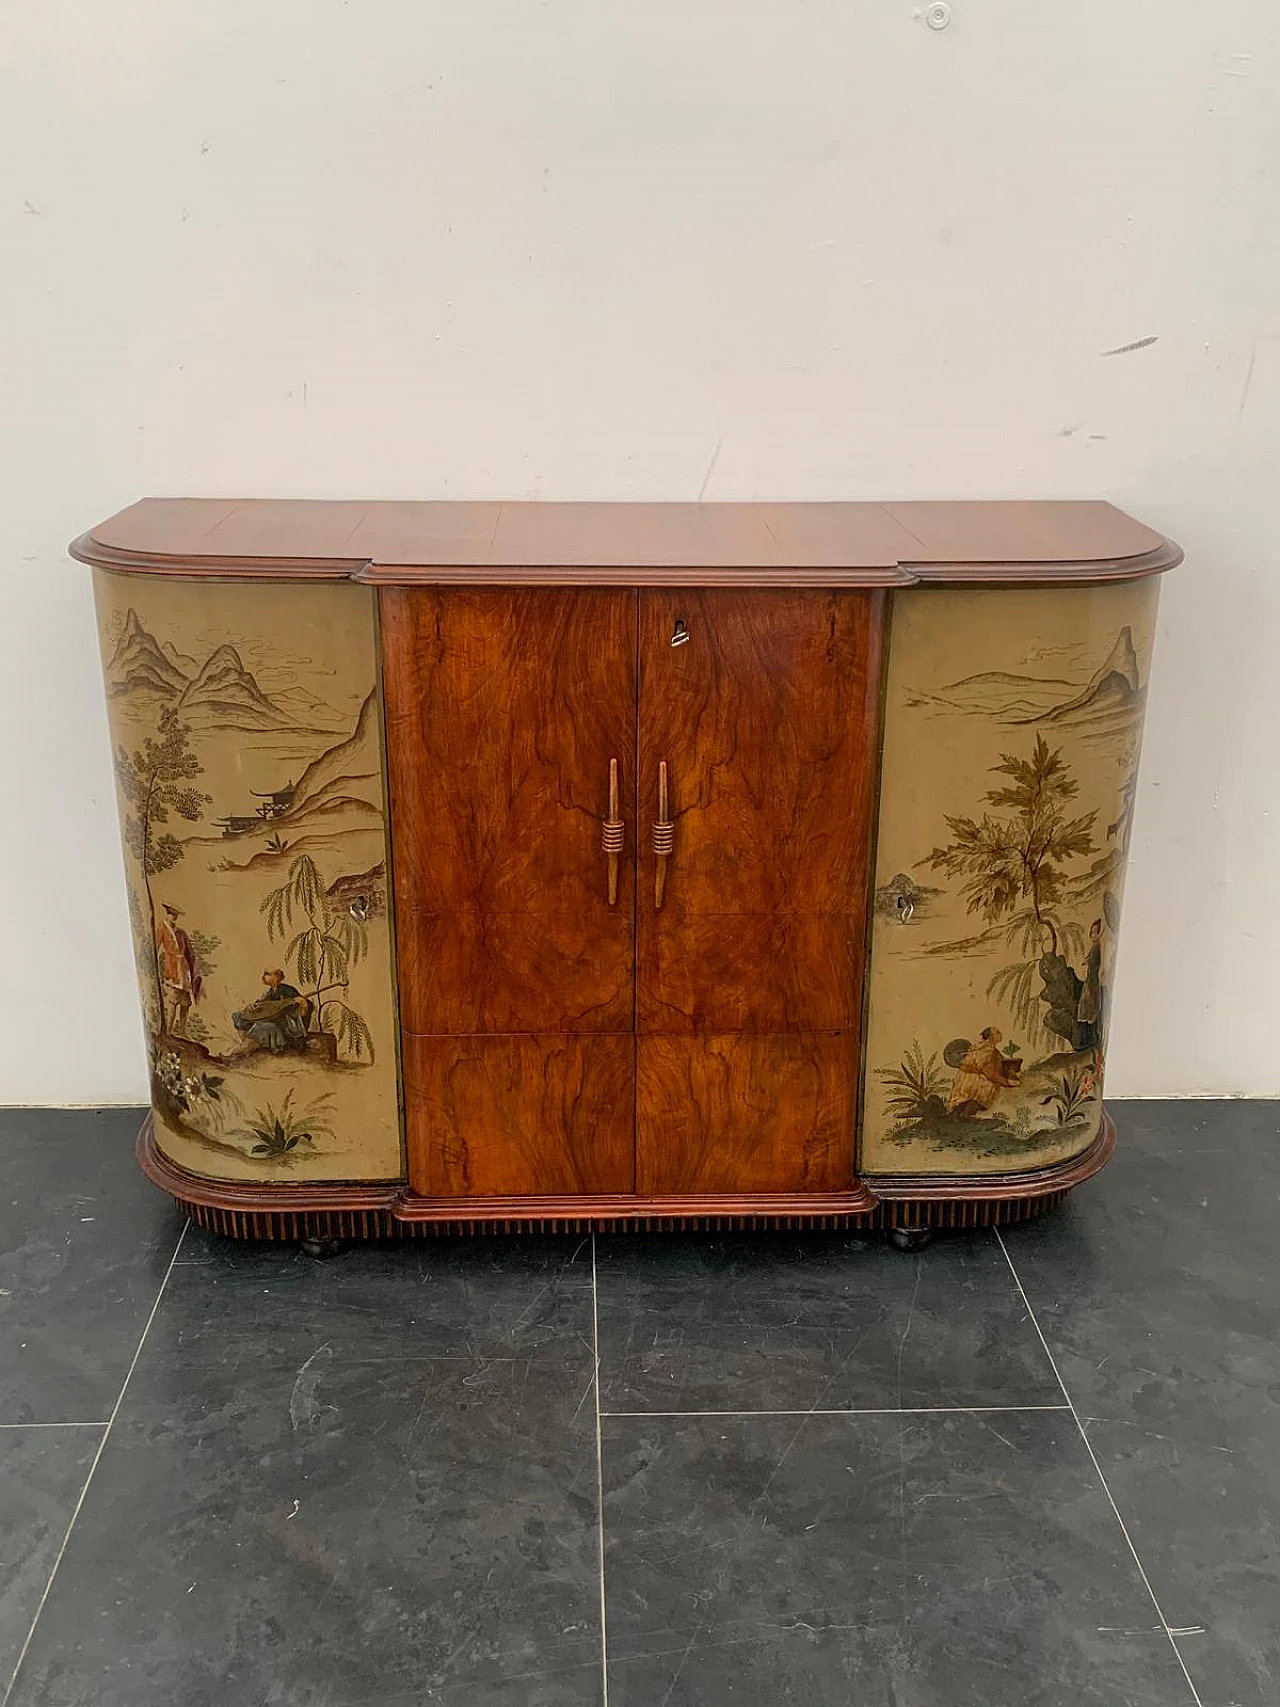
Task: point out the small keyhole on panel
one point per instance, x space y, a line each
679 634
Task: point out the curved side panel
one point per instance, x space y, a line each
247 729
1013 720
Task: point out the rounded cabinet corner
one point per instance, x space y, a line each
247 741
1013 722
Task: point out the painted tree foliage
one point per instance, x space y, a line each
322 953
1012 865
154 782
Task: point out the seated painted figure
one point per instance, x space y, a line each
278 1020
982 1072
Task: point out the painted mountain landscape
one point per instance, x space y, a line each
247 735
220 693
1106 706
301 777
337 800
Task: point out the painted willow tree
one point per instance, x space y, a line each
321 954
153 783
1011 864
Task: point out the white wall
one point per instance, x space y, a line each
576 248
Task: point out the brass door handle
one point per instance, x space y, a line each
664 836
613 833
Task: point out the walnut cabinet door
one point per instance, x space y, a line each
510 729
631 847
758 715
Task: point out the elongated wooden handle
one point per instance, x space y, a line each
664 836
613 833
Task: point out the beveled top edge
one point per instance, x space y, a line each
627 575
758 544
1167 555
86 549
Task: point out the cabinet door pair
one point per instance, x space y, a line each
632 835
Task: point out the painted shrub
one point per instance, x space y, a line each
1013 720
246 729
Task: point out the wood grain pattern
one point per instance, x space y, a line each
753 544
601 536
504 712
738 971
767 721
749 977
495 1116
1070 530
745 1113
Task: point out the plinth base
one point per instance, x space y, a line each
318 1212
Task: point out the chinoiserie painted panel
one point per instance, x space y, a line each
247 730
1012 724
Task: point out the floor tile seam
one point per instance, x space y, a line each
762 1635
361 1284
859 1411
600 1549
97 1459
570 1273
192 1354
1106 1486
75 1424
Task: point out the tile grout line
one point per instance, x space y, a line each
97 1458
102 1423
850 1411
595 1349
1106 1486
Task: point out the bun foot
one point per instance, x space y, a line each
321 1249
910 1238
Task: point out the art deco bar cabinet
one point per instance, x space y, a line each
567 865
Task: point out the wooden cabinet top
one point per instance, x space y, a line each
761 544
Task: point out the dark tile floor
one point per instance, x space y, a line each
811 1470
